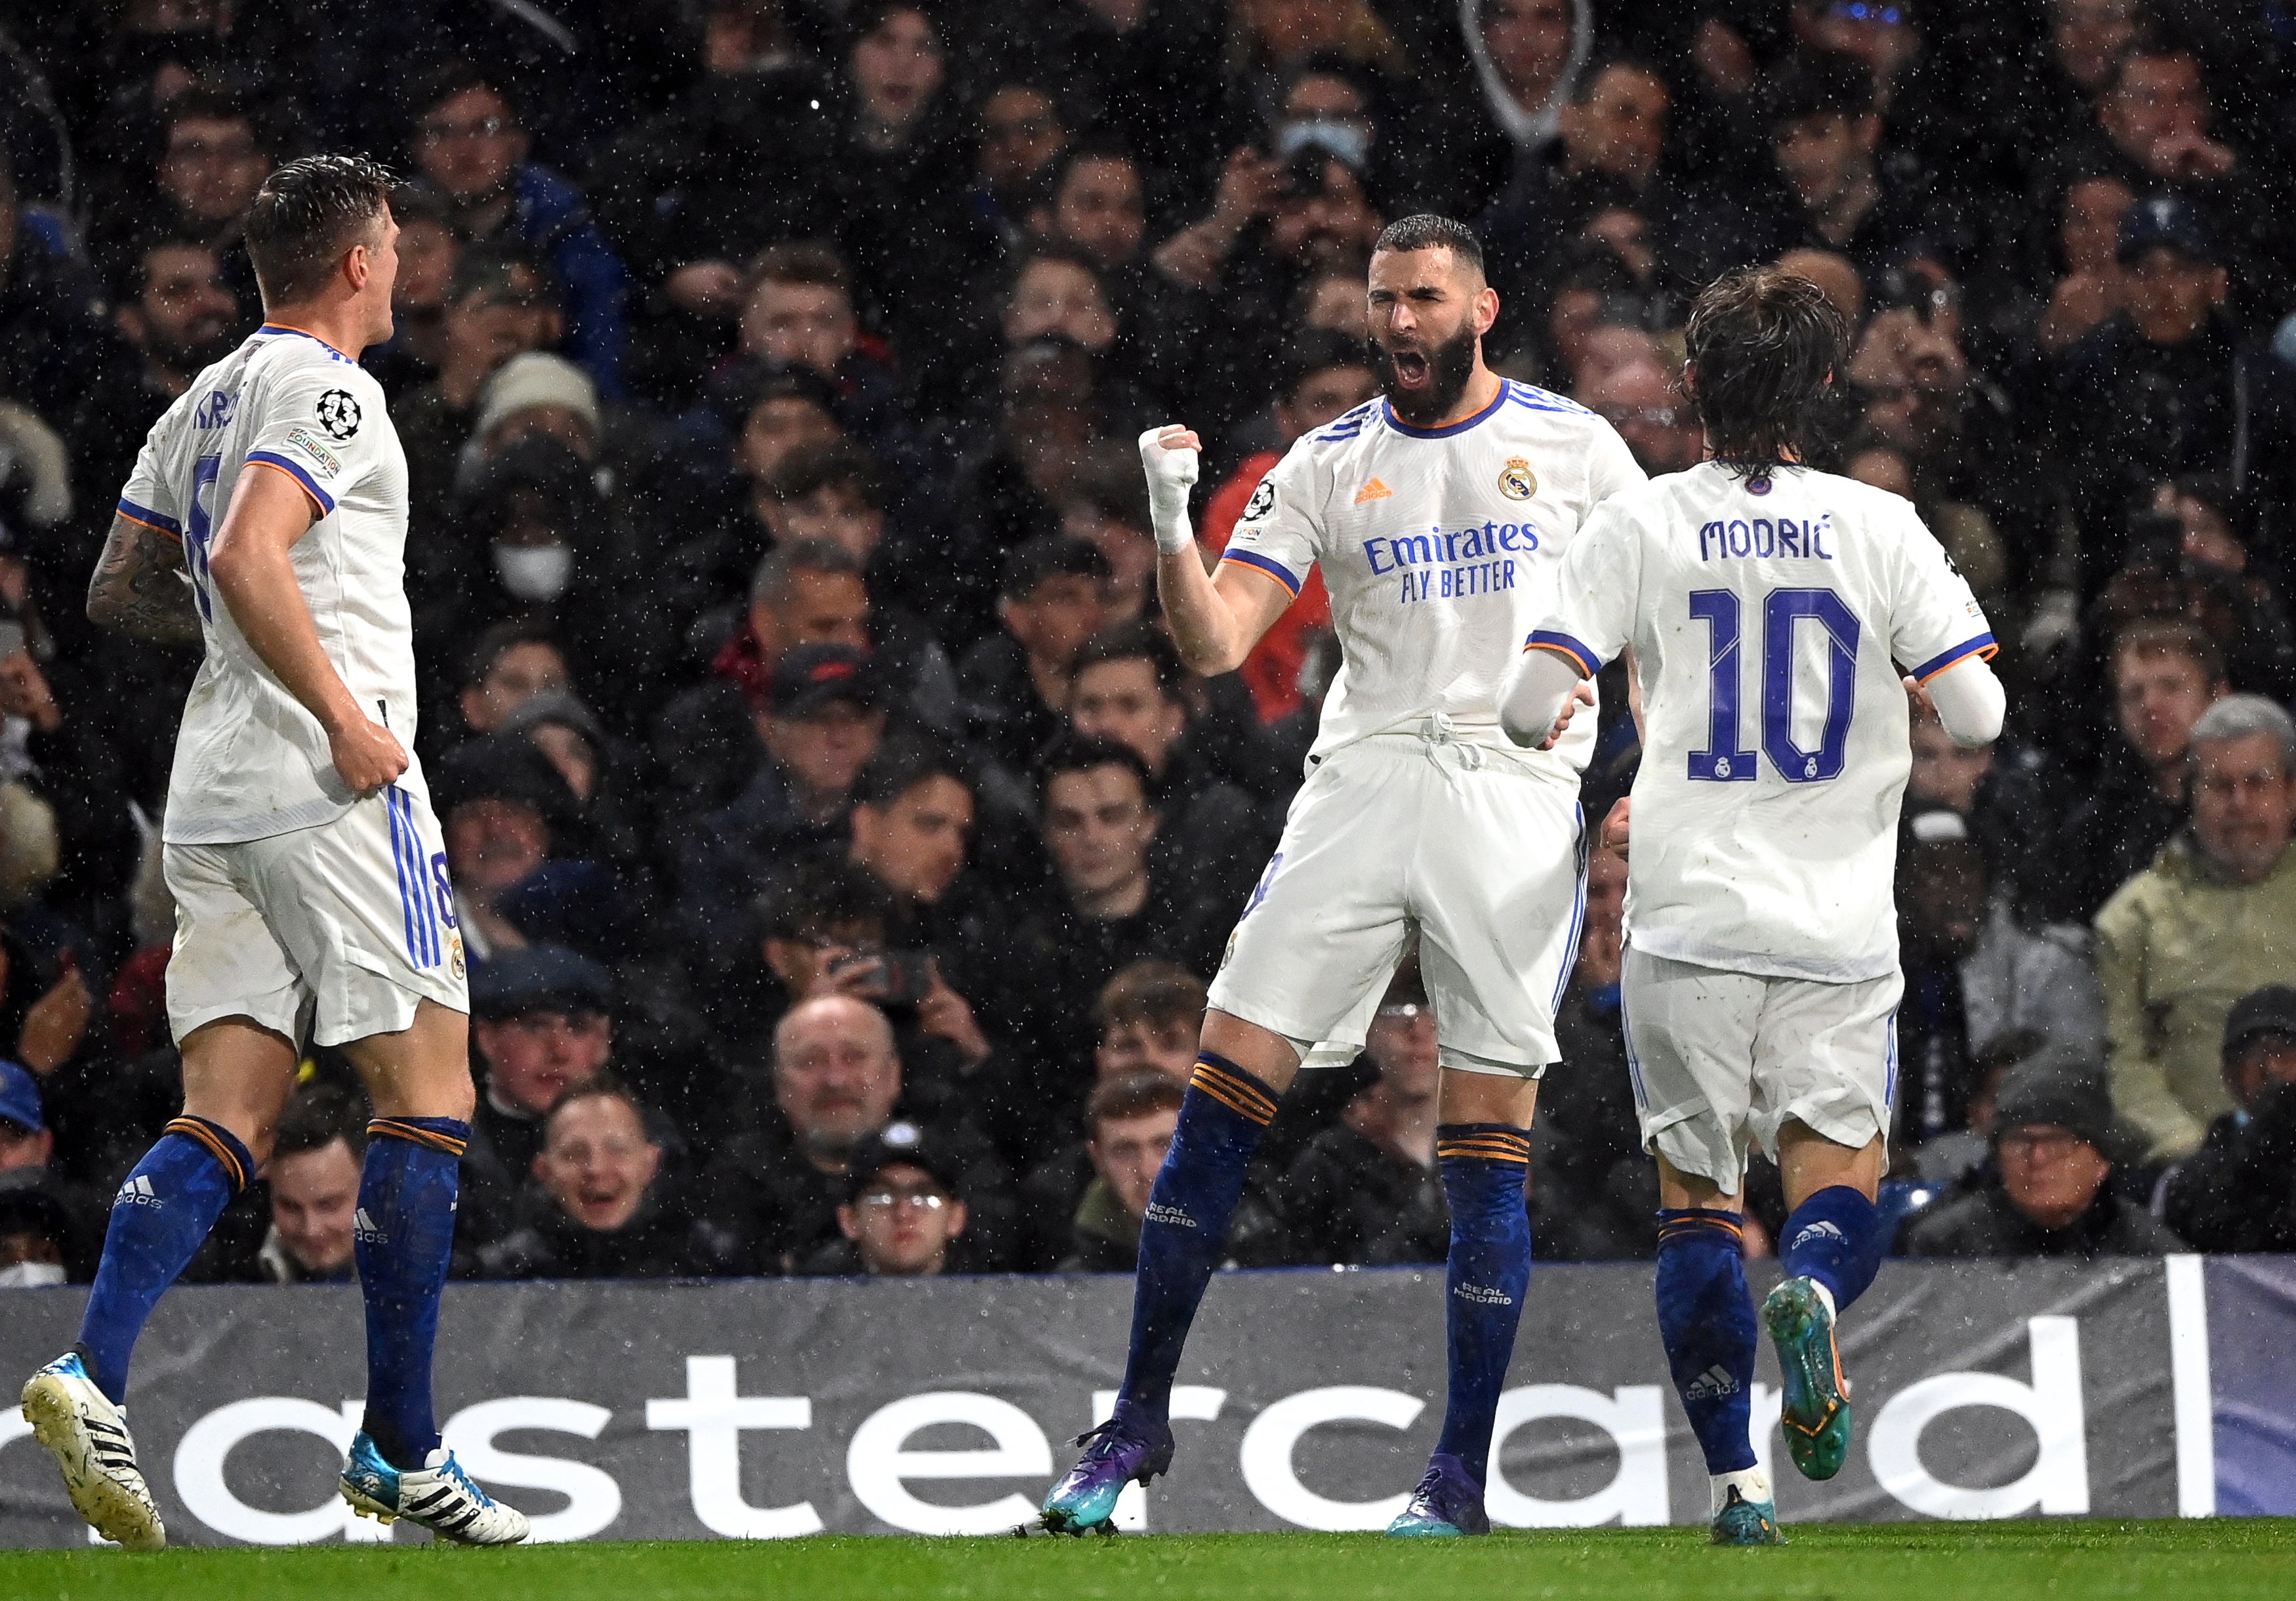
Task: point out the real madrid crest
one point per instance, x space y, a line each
1517 481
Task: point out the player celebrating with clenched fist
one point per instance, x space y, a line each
1440 514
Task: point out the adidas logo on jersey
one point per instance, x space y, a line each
1818 1231
364 1228
138 1192
1170 1216
1715 1381
1373 491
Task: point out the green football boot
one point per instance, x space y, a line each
1744 1522
1815 1410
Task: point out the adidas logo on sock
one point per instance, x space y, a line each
1170 1216
364 1228
1820 1230
1483 1295
1714 1381
138 1192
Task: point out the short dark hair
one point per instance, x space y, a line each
1029 564
317 1117
901 764
816 894
1762 345
499 641
1135 641
801 261
1093 147
134 270
2154 44
203 104
1129 1095
600 1087
448 79
778 569
306 215
1159 994
1817 83
2166 637
1074 752
1425 231
1053 251
838 464
1312 350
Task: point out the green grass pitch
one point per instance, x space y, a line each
2226 1560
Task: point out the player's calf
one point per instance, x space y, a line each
1706 1322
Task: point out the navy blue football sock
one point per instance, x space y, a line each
1706 1321
1484 1167
1835 1237
159 1218
405 1238
1185 1231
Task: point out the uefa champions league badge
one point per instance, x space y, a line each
1517 481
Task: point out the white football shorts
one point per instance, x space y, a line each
1483 854
326 934
1720 1059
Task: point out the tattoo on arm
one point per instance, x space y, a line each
138 589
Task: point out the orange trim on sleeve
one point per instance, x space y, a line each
317 511
1983 652
166 533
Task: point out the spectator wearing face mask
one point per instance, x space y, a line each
2237 1192
902 1217
2048 1195
603 1205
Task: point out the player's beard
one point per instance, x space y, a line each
1449 365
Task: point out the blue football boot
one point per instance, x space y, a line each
1744 1522
1131 1447
1814 1409
439 1496
1448 1502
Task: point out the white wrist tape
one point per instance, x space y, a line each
1172 474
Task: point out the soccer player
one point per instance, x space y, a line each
267 516
1766 605
1438 515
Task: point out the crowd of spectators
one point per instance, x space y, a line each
839 849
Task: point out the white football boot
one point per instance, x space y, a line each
439 1496
88 1437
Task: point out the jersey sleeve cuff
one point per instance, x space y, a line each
1981 646
1263 565
271 458
1571 649
158 521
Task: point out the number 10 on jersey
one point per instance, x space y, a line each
1785 612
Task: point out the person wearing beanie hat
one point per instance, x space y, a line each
541 393
2046 1194
2238 1191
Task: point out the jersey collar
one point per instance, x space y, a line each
302 334
1484 415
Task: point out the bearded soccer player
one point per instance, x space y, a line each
1438 515
267 518
1770 610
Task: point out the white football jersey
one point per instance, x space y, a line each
1439 547
1771 622
250 762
